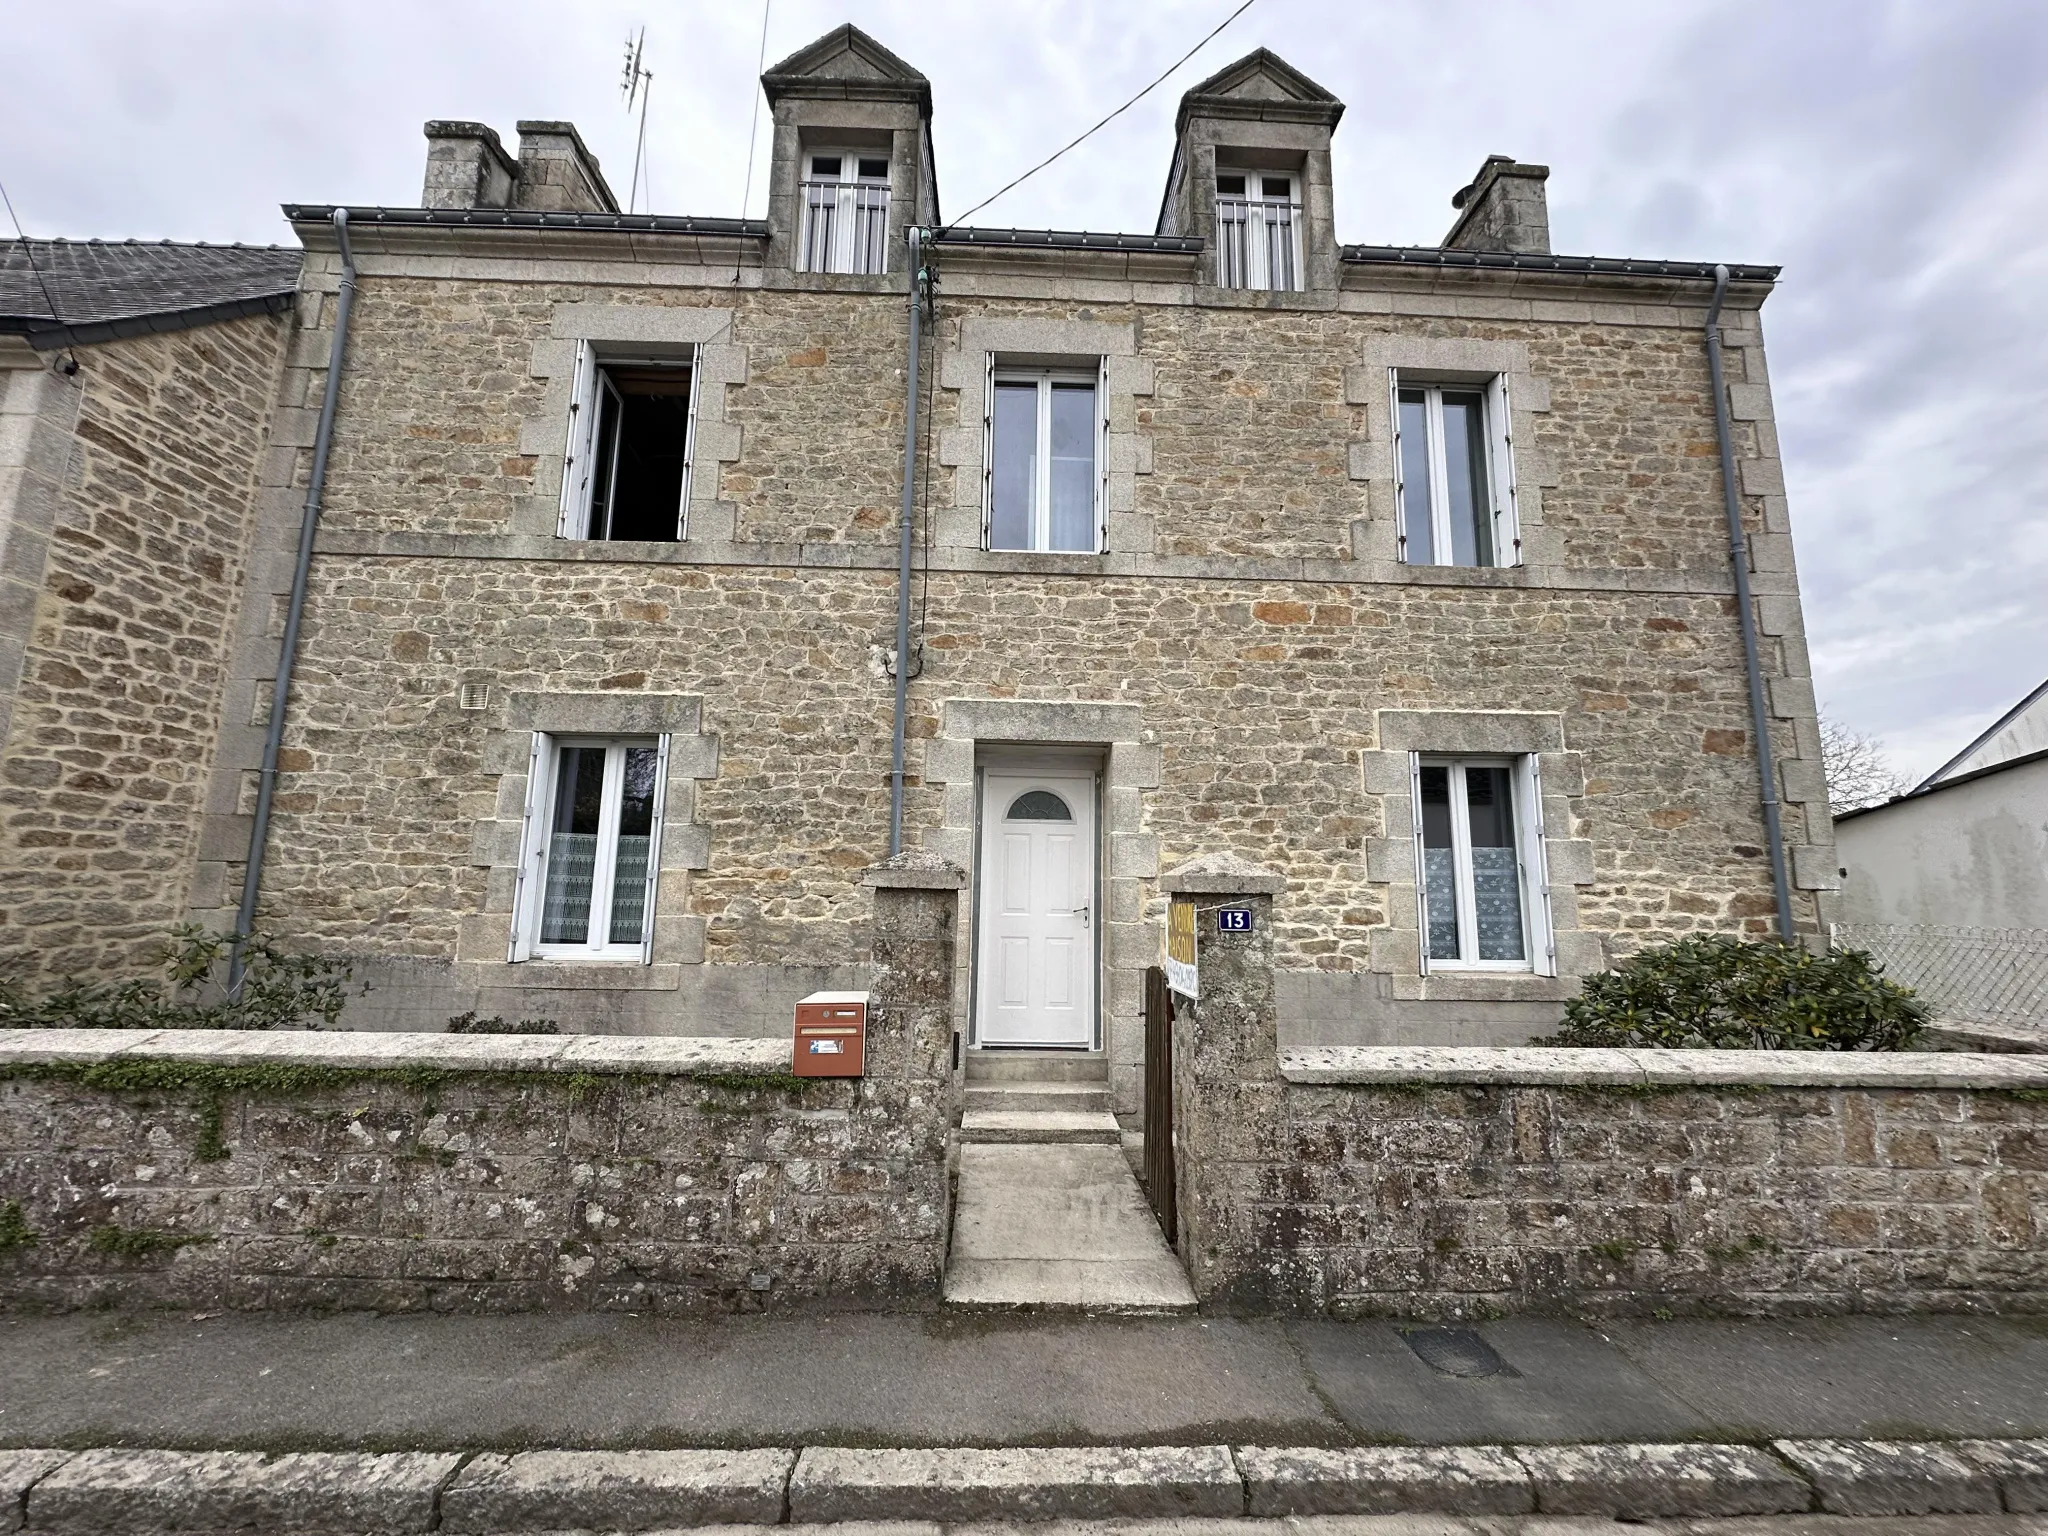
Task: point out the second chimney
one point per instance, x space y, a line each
466 168
1504 209
557 174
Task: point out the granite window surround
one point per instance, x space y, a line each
702 337
1390 858
958 522
496 843
1411 360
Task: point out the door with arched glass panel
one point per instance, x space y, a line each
1036 981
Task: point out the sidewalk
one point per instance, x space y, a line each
356 1381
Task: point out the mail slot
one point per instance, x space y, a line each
831 1034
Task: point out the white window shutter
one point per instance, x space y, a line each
1536 872
1421 896
1400 491
988 449
690 441
1102 457
1507 528
581 442
654 850
531 876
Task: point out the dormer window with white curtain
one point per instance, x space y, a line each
846 211
1044 469
593 838
1258 231
626 473
1455 474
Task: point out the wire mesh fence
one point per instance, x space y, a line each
1973 975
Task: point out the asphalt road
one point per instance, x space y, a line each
610 1380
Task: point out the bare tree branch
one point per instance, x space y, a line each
1859 774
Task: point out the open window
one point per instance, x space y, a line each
591 852
1454 469
1258 230
846 210
1044 472
1481 887
632 421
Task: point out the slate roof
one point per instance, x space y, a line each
108 289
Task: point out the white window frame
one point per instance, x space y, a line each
1041 496
848 254
580 470
1258 274
1500 466
1539 940
544 766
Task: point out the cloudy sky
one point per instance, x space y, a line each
1892 156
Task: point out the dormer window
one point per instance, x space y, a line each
846 211
1258 231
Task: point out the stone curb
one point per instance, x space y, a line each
616 1490
321 1493
131 1492
1106 1483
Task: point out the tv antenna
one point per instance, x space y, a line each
636 84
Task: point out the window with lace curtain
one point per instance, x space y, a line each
1479 858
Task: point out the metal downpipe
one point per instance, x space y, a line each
1738 557
904 541
288 649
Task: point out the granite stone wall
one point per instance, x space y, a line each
135 581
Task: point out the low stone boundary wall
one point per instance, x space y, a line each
110 1492
1469 1182
399 1171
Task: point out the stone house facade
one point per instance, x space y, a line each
136 389
1403 572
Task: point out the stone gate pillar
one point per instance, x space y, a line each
903 1111
1226 1066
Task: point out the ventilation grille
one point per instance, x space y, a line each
474 696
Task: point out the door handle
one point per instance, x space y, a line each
1082 913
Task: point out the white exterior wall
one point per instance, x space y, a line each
1972 855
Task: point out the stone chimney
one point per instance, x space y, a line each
467 168
557 174
1504 209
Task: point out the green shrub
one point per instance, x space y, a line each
493 1024
277 991
1714 991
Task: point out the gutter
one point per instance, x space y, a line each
288 649
1738 557
903 542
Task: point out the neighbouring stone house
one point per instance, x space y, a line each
1402 572
137 385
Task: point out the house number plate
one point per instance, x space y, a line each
1233 919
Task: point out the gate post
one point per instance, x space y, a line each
1226 1069
904 1107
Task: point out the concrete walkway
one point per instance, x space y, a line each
432 1382
1049 1225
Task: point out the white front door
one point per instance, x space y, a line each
1036 984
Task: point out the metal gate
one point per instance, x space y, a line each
1159 1102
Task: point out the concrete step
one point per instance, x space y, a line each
1058 1227
1025 1127
1080 1097
1036 1067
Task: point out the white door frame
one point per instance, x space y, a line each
1063 762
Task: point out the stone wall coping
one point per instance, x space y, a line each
1222 874
1511 1066
915 869
656 1055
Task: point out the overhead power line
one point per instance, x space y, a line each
1119 112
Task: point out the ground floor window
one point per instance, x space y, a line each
1479 856
593 834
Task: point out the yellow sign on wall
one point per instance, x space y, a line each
1180 948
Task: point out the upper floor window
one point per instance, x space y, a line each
593 835
1484 905
1045 435
626 474
1455 481
1258 231
846 212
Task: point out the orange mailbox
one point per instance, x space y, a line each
831 1034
